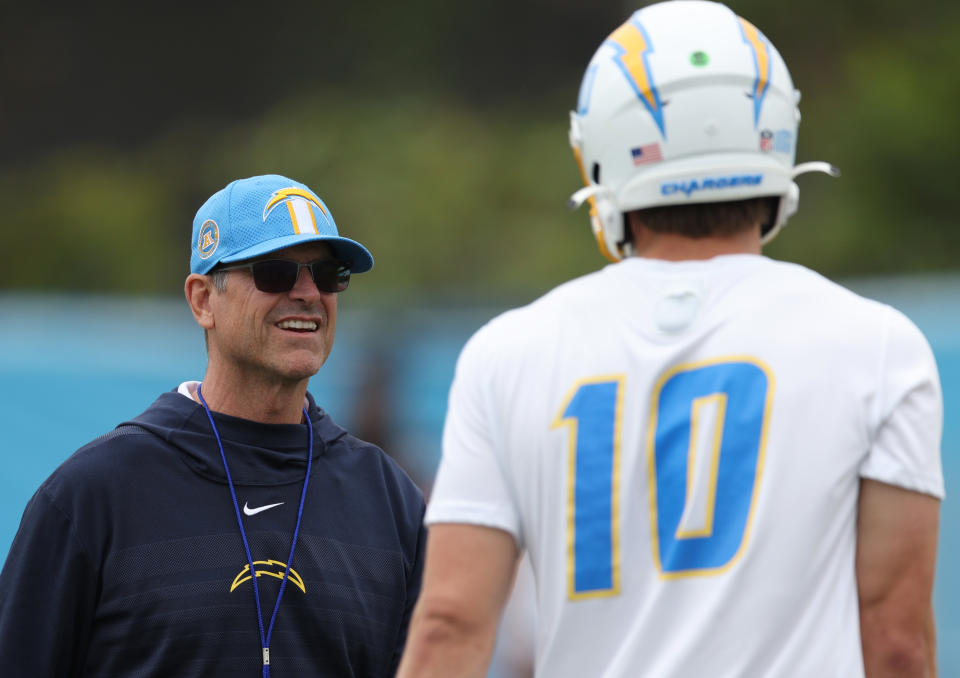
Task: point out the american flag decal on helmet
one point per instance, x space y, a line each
646 154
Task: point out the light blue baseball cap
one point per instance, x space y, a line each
262 214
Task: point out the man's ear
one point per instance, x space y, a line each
198 290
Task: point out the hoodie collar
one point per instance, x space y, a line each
258 454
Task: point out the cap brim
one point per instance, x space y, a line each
349 251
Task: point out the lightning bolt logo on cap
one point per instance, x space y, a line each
298 203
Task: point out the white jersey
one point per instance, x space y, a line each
679 447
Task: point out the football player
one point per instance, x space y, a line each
719 464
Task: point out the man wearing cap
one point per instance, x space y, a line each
232 529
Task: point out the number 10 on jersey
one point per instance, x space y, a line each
705 441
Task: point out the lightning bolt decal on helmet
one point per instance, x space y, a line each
685 102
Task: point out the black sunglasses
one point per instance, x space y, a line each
280 275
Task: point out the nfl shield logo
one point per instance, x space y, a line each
766 141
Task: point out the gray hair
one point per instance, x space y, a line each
219 281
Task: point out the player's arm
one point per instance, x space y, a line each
896 552
467 578
899 509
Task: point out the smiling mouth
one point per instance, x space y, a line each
298 325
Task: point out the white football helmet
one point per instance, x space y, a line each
685 102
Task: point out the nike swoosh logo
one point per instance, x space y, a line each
254 511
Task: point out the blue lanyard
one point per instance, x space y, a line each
264 639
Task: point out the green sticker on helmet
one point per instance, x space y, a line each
699 58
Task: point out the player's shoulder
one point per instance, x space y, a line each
794 283
542 316
785 276
850 313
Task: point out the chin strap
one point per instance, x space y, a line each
791 199
815 166
605 220
603 214
584 194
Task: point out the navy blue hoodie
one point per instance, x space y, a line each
129 561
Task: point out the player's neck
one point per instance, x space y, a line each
673 247
265 401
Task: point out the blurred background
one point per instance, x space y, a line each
436 133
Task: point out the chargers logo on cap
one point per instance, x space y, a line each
298 202
209 239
